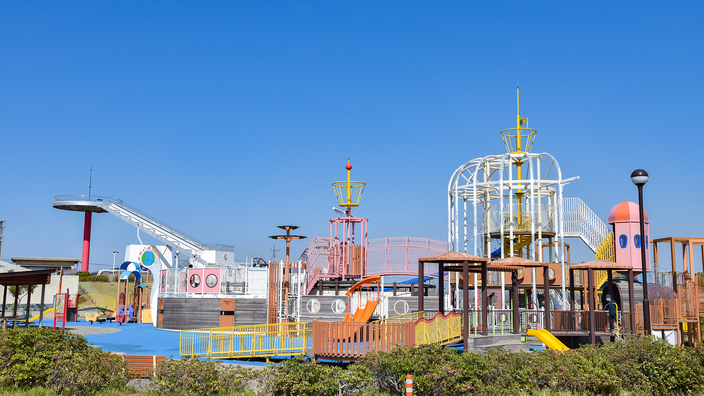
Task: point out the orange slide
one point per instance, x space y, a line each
362 314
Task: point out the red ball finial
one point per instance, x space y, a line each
348 166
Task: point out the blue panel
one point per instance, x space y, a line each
636 240
623 241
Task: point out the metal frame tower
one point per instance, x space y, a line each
515 203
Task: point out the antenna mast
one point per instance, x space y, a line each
2 227
90 183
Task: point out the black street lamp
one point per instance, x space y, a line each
639 177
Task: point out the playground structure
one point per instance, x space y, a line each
500 207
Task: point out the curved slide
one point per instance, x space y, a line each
362 314
33 318
548 339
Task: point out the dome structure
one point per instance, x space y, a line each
626 212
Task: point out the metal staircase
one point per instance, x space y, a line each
141 220
581 222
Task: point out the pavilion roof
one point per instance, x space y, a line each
518 262
40 277
453 256
601 265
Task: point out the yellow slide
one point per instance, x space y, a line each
548 339
33 318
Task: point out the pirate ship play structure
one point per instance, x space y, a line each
504 270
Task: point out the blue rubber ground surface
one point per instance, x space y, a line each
137 339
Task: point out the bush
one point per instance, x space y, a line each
58 360
649 365
299 376
87 277
191 376
435 369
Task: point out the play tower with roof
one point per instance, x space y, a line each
510 204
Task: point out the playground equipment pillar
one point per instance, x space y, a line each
14 309
610 283
514 300
29 301
485 302
590 287
4 301
41 307
572 307
441 288
85 258
421 283
465 305
546 296
632 301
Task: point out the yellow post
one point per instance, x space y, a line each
519 193
349 182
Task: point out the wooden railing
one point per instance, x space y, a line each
353 340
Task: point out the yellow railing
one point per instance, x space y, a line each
96 301
605 250
409 317
443 329
247 341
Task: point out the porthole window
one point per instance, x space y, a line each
623 241
401 307
163 280
195 280
636 241
211 280
339 307
313 306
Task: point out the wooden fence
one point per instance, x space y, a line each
353 340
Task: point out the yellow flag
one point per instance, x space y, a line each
523 122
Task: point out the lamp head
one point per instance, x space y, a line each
639 177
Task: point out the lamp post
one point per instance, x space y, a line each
639 177
114 253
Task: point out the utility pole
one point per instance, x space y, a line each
2 227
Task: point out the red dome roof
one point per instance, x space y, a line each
626 212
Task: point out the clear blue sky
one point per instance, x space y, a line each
226 119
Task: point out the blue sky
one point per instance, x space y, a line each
226 119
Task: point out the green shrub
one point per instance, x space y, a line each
87 277
58 360
298 376
435 369
648 365
190 376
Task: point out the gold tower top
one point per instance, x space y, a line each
518 139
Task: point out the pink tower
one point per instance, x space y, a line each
348 249
627 238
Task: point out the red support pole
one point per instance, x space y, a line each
85 259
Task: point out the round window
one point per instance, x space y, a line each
313 306
401 307
211 280
195 280
636 241
339 307
163 281
623 241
